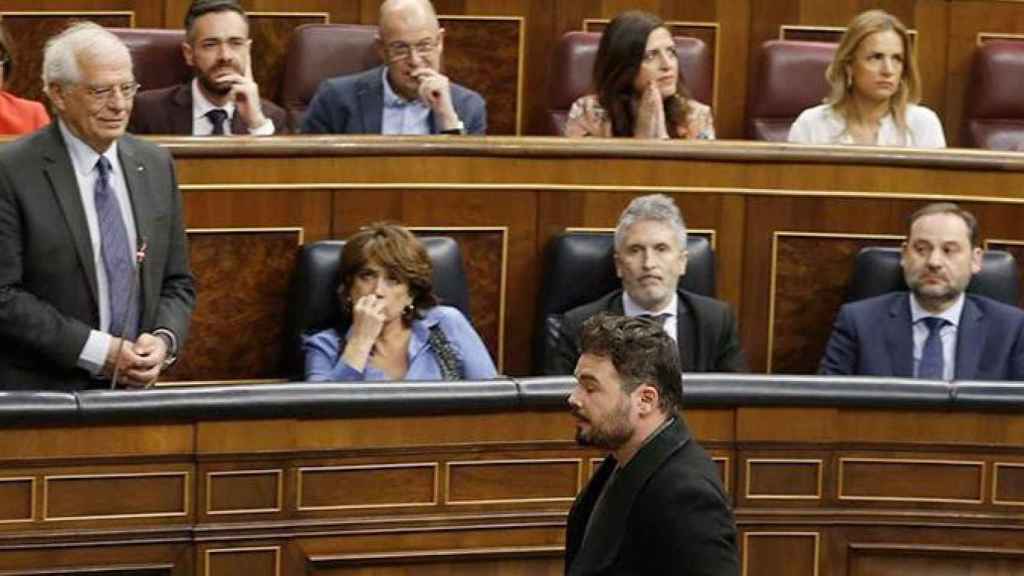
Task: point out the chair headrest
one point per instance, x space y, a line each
790 79
877 271
994 111
314 305
156 56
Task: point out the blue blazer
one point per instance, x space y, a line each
354 104
874 337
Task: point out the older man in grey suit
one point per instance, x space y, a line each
95 285
408 96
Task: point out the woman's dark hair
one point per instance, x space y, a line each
400 254
619 57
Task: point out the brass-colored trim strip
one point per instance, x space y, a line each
275 549
972 463
748 535
774 267
185 495
279 497
725 471
299 230
995 483
325 15
313 469
129 13
817 462
983 37
32 498
512 462
989 242
363 558
549 187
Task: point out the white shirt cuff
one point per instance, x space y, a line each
94 353
265 129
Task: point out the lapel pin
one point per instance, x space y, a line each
141 168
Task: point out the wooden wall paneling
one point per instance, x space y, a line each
271 33
280 204
349 11
780 553
809 278
241 492
797 278
28 33
486 214
485 53
485 260
242 280
123 559
967 20
17 499
910 480
241 561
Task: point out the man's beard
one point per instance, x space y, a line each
612 434
942 295
214 87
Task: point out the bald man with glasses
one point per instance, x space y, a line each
409 95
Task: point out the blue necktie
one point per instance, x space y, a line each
117 257
932 363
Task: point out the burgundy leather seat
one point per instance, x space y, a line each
156 55
571 75
790 79
994 112
321 51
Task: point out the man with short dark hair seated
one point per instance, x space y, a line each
222 99
936 331
650 257
408 96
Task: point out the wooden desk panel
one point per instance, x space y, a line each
850 491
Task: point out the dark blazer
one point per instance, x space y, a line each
874 337
665 513
48 294
354 104
169 111
714 348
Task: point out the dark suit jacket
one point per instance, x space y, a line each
354 104
665 513
874 337
48 294
714 348
169 111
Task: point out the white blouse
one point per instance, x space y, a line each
823 125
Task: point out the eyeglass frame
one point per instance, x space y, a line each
105 94
423 48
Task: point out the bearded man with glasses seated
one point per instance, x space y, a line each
95 286
407 96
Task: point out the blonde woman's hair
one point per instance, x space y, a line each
908 90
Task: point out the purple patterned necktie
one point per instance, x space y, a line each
117 257
932 364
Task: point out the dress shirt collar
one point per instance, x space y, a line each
392 99
631 308
83 157
200 105
951 314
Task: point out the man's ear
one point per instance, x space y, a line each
684 257
186 51
55 92
977 256
618 264
382 49
903 255
648 399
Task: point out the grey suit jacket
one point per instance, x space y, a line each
169 111
715 346
354 104
48 291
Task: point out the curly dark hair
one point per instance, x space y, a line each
619 57
398 252
641 352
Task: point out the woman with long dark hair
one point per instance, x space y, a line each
638 89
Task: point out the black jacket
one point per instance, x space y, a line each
665 513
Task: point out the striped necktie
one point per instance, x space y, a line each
117 256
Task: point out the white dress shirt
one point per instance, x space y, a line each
401 116
83 162
947 334
631 308
201 124
823 125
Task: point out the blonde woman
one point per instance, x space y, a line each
875 92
